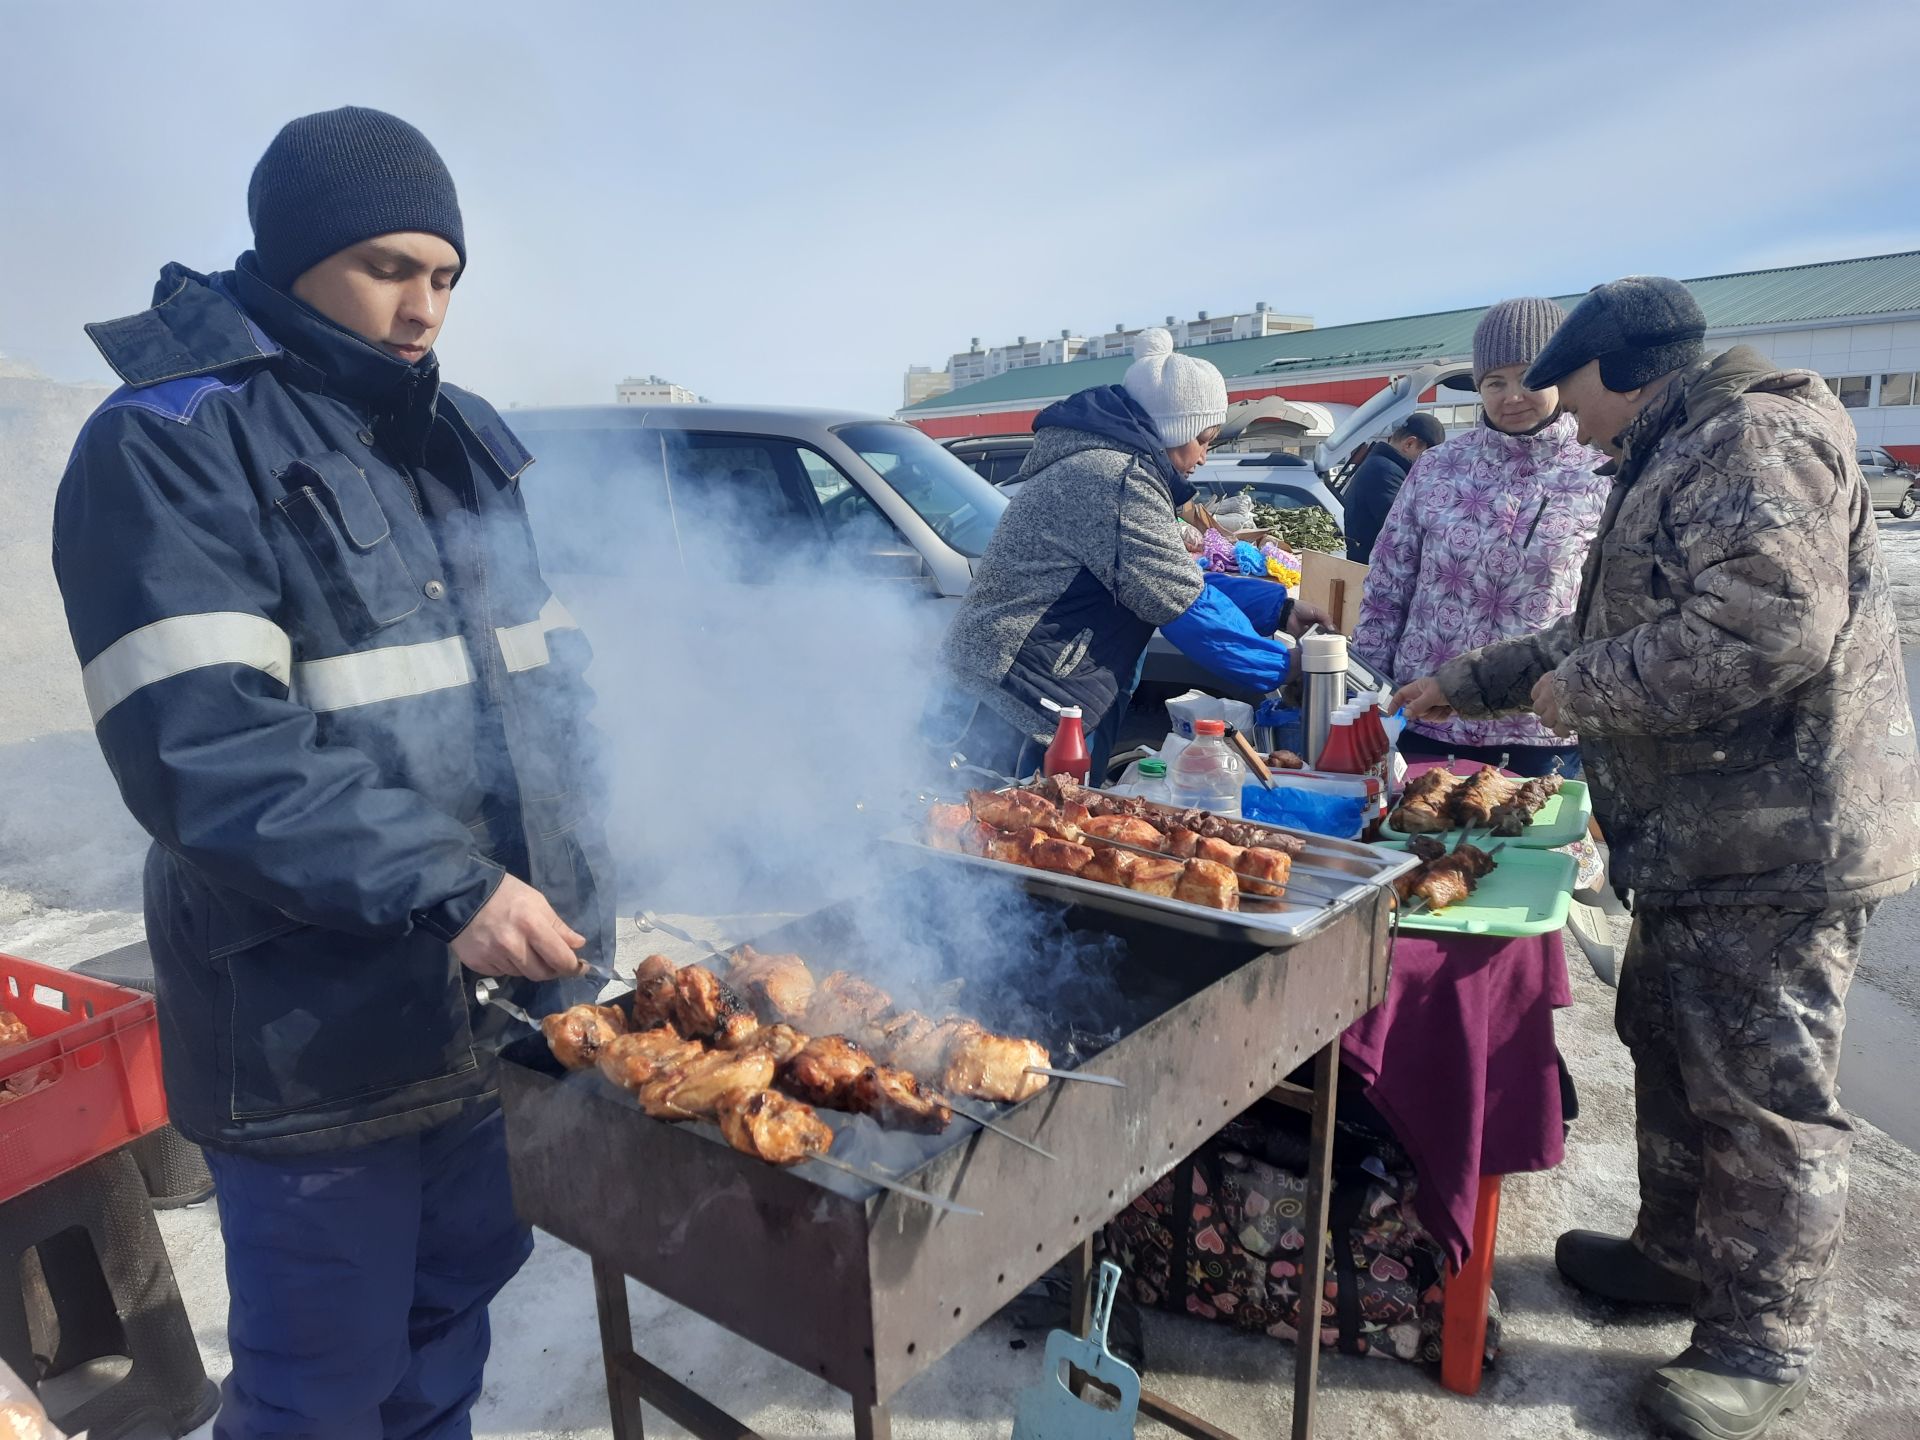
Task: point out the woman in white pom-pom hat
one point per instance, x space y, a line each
1088 562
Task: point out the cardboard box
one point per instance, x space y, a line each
1334 583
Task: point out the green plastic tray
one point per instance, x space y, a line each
1527 894
1561 821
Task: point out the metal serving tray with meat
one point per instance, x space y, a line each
1340 873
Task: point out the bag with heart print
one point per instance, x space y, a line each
1220 1238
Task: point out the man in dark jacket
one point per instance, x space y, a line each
1369 494
1087 562
1733 670
332 685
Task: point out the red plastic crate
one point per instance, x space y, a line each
95 1058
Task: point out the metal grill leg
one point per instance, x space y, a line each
616 1343
1306 1355
871 1422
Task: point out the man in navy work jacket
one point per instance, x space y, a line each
333 687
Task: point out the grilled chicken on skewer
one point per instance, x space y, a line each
578 1034
836 1074
631 1060
771 1126
1514 815
693 1090
984 1066
705 1007
653 992
778 985
844 1004
1426 807
1474 803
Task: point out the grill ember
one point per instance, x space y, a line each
689 1046
1201 858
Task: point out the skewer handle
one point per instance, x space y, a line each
938 1202
486 991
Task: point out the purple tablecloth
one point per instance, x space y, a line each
1460 1059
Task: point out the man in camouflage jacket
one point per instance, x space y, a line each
1733 670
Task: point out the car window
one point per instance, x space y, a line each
851 517
956 502
597 500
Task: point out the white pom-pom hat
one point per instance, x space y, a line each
1182 394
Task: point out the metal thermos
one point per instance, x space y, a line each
1323 669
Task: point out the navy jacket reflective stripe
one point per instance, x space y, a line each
316 711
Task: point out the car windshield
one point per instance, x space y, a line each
957 504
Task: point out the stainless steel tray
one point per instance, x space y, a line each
1345 869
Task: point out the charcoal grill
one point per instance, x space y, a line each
874 1287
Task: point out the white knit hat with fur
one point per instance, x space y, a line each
1183 395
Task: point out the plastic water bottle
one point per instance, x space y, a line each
1152 784
1207 775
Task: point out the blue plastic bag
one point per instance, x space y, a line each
1340 816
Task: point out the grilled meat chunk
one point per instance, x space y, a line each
1485 791
898 1033
1047 853
1182 842
692 1091
1219 852
1285 760
780 1041
844 1004
1109 866
1264 871
771 1126
824 1070
652 1002
946 824
1155 877
1206 882
13 1030
994 1067
1011 809
577 1034
705 1007
895 1099
778 985
1516 813
631 1060
925 1051
1127 829
1426 807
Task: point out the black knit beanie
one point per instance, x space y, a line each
342 176
1638 328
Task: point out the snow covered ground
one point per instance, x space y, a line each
69 890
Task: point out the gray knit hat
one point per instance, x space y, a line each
1512 333
1182 394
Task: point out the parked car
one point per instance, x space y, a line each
997 458
1890 484
629 489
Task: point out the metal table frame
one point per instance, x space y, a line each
631 1380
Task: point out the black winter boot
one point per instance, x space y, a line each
1614 1269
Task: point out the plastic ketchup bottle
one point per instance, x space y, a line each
1067 755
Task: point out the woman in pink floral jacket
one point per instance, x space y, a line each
1485 542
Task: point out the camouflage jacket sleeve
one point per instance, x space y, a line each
1746 587
1498 679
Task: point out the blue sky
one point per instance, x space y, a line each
792 202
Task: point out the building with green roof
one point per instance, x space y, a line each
1855 321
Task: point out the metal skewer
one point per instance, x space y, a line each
1079 1075
938 1202
1001 1131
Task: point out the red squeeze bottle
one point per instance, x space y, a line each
1067 755
1344 754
